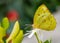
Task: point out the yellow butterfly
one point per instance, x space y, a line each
43 19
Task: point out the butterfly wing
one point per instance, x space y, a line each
43 19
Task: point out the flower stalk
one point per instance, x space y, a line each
39 41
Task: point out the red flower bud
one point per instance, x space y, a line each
12 15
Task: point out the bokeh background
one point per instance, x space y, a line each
26 10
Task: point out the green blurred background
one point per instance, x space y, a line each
26 9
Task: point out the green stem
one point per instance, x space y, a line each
39 41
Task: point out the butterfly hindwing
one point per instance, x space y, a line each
43 19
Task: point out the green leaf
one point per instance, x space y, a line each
47 41
5 23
